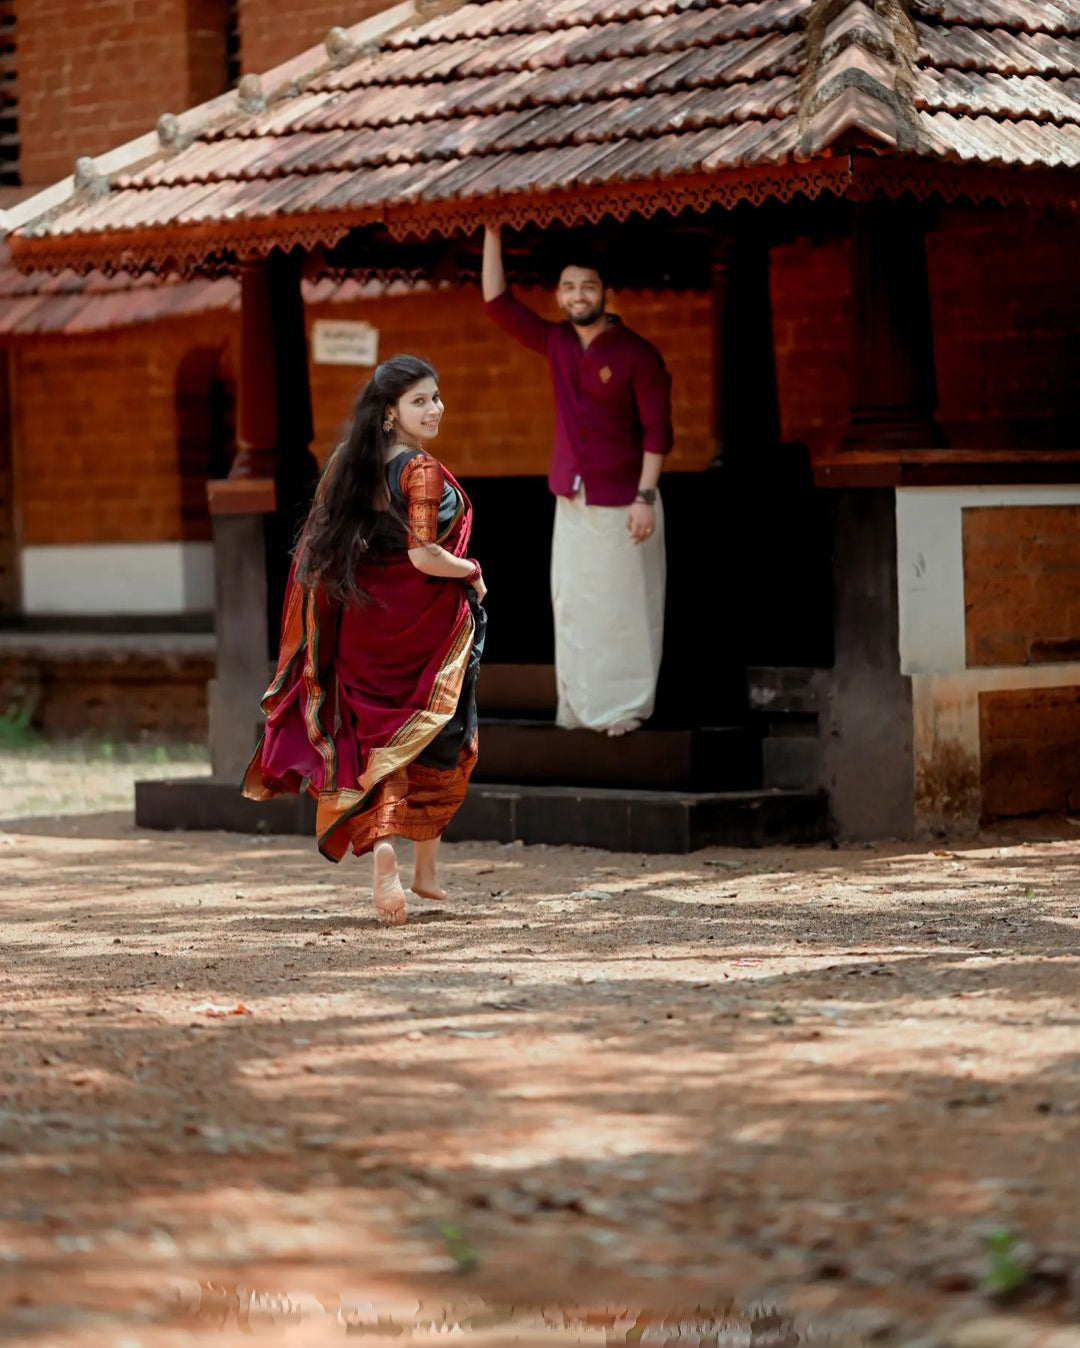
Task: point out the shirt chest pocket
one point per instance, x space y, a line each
604 382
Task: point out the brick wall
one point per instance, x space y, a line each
9 545
101 458
1030 751
100 415
274 31
207 24
811 286
1022 584
1006 292
92 76
153 697
499 416
1005 287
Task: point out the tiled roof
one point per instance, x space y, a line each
508 100
38 304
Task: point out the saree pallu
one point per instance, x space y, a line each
373 706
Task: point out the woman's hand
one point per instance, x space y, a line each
479 588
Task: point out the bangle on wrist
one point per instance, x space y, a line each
475 574
646 495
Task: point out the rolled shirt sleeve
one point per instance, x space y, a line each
652 391
520 322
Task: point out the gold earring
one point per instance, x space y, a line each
388 424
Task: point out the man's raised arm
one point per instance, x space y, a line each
493 274
511 315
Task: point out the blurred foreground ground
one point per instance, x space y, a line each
818 1095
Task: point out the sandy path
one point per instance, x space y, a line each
811 1081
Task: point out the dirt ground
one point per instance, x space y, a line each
778 1097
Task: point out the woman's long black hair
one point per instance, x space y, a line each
347 506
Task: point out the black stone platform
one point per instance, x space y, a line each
640 821
531 752
206 804
613 819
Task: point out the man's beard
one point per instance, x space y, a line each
586 320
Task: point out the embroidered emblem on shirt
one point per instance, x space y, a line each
605 373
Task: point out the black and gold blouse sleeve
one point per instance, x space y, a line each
422 484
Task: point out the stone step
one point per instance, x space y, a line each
614 820
640 821
530 752
779 690
791 762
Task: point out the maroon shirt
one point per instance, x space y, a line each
612 402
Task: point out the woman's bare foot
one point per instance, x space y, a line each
428 889
426 869
388 893
622 728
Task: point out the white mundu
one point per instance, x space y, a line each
608 597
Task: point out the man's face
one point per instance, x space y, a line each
580 294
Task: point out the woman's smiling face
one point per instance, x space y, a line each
419 411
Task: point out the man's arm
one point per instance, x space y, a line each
493 274
652 393
511 315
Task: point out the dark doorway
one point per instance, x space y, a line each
747 584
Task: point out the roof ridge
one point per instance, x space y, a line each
93 173
859 82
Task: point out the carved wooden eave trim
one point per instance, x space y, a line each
220 246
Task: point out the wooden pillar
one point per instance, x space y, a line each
746 415
296 471
257 410
867 729
893 379
256 509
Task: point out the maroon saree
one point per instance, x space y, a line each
373 706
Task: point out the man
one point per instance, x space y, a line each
612 431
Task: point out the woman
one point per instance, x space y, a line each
374 700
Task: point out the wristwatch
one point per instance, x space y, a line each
647 495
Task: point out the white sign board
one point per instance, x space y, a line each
344 343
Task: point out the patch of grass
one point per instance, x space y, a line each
16 728
103 750
1006 1274
458 1248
